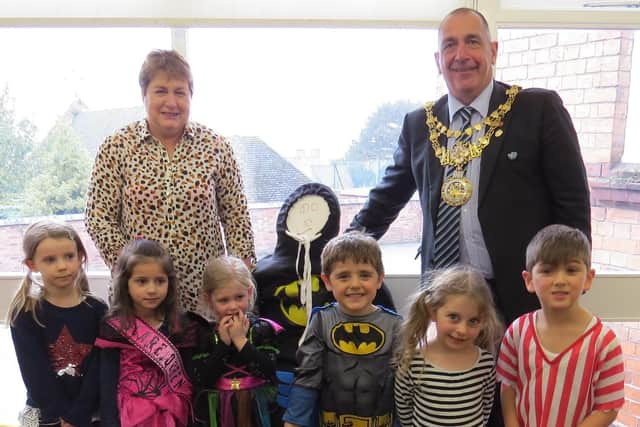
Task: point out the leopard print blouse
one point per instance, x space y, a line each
186 202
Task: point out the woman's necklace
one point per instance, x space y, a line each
457 188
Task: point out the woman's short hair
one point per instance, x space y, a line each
169 61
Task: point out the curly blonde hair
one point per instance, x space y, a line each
436 287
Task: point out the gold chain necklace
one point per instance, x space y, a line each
457 188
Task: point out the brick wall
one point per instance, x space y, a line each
591 70
406 228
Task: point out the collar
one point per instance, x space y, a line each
480 104
142 129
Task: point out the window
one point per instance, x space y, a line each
303 96
62 90
330 101
592 71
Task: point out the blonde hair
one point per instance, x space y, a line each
224 270
27 299
435 289
355 246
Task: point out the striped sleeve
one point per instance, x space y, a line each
403 395
507 366
609 386
489 393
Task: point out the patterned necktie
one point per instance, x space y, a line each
447 239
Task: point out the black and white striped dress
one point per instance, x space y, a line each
426 395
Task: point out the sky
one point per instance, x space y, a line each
295 88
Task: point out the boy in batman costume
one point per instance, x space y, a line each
344 377
288 281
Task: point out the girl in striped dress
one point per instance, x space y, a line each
446 376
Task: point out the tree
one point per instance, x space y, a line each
379 137
16 146
64 165
372 152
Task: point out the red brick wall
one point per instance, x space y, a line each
406 228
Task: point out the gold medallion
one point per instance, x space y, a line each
456 189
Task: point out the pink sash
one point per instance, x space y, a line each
157 347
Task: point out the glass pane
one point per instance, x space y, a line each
328 101
593 73
62 90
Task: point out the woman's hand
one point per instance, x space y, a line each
238 330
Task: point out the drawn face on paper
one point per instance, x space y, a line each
308 216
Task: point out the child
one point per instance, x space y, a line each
53 326
345 356
560 366
234 366
448 379
143 340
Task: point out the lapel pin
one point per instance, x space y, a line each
512 155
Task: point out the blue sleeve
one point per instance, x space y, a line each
303 407
43 390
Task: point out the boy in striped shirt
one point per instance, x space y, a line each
560 366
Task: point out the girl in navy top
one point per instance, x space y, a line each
54 323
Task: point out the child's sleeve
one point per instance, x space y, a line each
86 403
260 352
403 396
206 365
303 397
489 391
507 366
609 387
43 390
310 355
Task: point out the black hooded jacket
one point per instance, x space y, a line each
278 279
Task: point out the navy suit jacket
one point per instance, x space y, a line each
531 176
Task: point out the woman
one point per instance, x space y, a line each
171 180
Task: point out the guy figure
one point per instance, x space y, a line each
492 164
344 376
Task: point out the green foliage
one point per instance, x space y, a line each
379 137
361 176
64 165
16 146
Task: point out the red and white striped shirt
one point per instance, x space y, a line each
561 390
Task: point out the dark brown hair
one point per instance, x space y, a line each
139 252
556 244
354 246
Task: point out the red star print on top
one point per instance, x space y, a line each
66 354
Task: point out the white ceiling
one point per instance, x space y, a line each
573 5
420 13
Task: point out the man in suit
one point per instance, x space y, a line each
529 175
